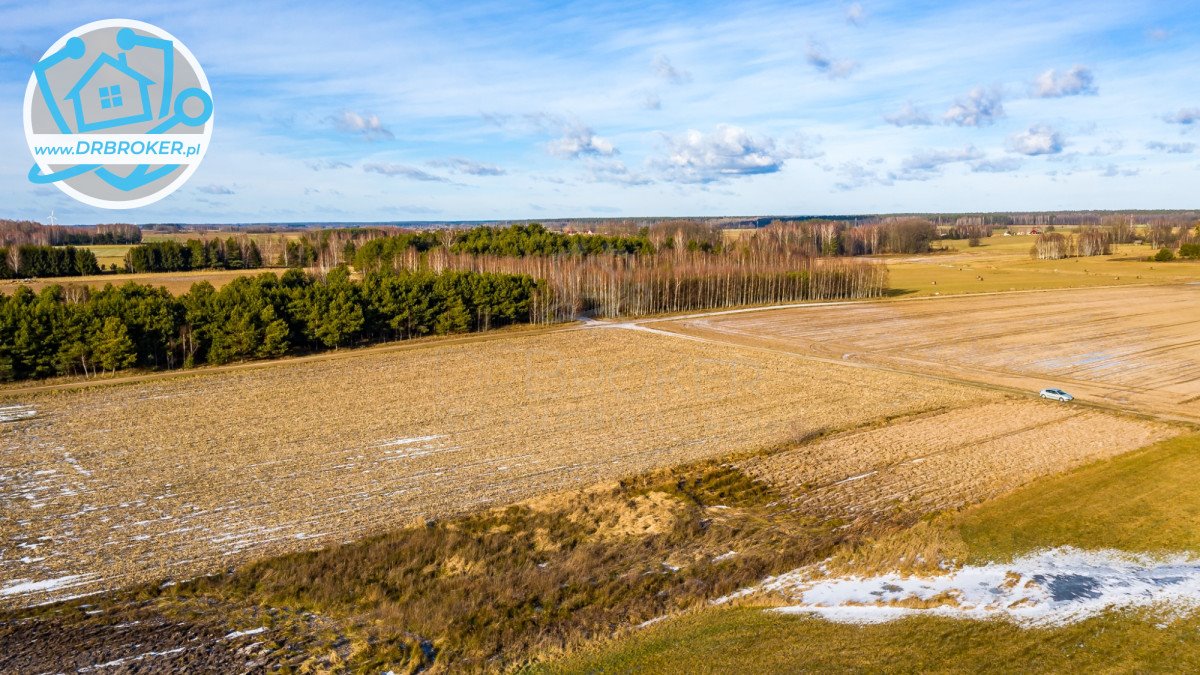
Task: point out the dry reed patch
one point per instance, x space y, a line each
187 476
945 461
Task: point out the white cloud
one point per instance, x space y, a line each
664 69
855 14
402 171
819 58
468 167
215 189
908 116
855 175
1000 165
651 101
1074 82
1172 148
1037 140
1112 171
578 140
928 164
367 125
615 171
326 164
727 152
1186 117
980 107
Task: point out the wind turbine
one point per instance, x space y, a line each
51 219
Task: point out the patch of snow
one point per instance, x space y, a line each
651 622
1051 587
12 413
860 476
724 556
131 659
23 586
407 441
75 465
243 633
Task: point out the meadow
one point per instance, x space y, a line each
1002 263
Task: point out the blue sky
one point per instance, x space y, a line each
507 110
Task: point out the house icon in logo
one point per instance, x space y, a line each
110 94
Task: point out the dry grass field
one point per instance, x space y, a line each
177 283
946 460
1130 347
173 478
1004 264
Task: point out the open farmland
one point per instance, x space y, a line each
177 477
177 283
946 460
1127 347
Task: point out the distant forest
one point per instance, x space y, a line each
675 267
26 232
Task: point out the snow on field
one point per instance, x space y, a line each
116 663
243 633
408 441
24 586
12 413
1050 587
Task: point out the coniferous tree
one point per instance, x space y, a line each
112 347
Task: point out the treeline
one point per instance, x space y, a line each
82 331
840 238
234 253
27 232
1090 241
678 268
376 248
534 239
21 262
972 232
670 281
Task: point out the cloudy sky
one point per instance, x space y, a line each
508 110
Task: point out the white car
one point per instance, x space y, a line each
1056 395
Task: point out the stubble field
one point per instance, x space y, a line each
173 478
179 477
946 460
1129 347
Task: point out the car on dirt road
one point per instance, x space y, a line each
1056 395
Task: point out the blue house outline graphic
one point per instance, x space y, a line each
119 64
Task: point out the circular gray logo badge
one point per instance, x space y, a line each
118 114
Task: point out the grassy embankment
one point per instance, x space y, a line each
491 591
1144 501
